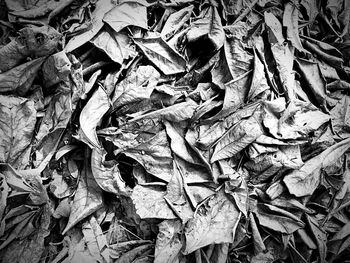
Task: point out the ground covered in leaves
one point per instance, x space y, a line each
174 131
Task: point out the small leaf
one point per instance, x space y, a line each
161 55
127 14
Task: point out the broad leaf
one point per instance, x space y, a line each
305 180
101 8
127 14
236 139
115 44
107 175
169 242
19 79
150 203
17 123
161 55
87 199
215 222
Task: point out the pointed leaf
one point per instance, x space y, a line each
127 14
161 55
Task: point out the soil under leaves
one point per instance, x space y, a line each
174 131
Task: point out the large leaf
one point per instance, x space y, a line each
87 199
127 14
137 86
234 61
101 8
215 222
305 180
17 123
207 32
150 203
175 21
161 55
115 44
20 79
236 139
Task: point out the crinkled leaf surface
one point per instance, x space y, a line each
150 203
102 7
215 222
169 241
127 14
91 115
161 55
175 21
17 123
305 180
87 199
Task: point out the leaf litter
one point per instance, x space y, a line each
174 131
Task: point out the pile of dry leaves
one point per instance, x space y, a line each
174 131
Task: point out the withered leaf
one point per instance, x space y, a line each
236 139
305 180
91 115
106 175
169 241
127 14
215 222
149 202
161 55
19 79
17 123
87 199
101 8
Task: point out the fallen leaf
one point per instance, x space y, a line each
236 139
127 14
115 44
149 202
87 199
17 123
215 222
19 79
161 55
305 180
101 8
107 176
169 241
91 115
175 21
